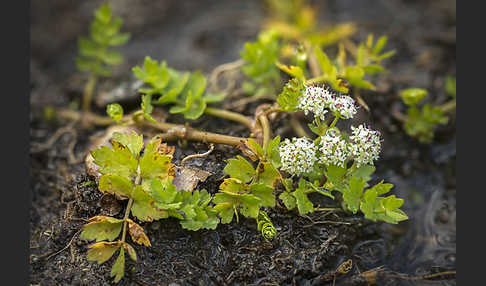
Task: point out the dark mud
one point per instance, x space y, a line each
307 250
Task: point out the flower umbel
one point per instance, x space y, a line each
316 99
298 156
367 145
335 151
343 106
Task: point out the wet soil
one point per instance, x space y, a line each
307 249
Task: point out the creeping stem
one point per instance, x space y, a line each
172 131
230 115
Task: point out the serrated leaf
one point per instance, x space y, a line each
273 153
382 188
250 205
154 164
143 206
294 71
288 199
288 99
101 228
137 234
116 185
131 251
352 194
264 193
115 111
304 205
224 209
232 185
147 108
117 160
335 176
131 140
240 169
102 251
163 193
268 174
255 148
364 172
118 269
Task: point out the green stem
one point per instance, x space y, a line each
129 206
230 115
88 92
334 122
267 131
448 106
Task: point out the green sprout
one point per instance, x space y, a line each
421 122
96 55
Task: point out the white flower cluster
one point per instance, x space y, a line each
297 156
344 106
335 151
316 99
367 145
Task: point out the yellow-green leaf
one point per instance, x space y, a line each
101 228
102 251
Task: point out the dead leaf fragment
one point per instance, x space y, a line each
186 178
138 234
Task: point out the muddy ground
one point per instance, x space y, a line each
201 35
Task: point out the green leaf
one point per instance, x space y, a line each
329 71
355 74
382 188
240 169
304 205
164 194
112 57
195 110
250 205
335 176
294 71
103 13
118 269
214 97
154 164
131 251
255 148
101 228
102 251
143 206
232 185
147 108
352 195
116 185
373 69
273 153
267 174
288 99
380 44
413 96
364 172
132 141
120 39
288 199
117 160
225 209
115 111
264 193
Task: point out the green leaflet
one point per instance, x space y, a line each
352 194
117 160
240 169
118 269
260 58
288 99
413 96
132 141
101 228
115 111
185 91
96 56
421 123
